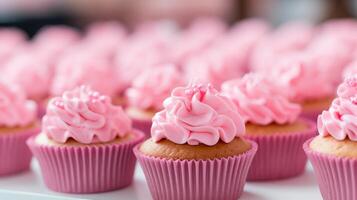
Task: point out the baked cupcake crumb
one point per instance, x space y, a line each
167 149
328 145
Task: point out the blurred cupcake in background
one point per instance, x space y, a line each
289 38
214 66
85 68
191 41
228 56
18 122
143 49
86 142
333 153
148 91
243 37
31 74
52 41
273 123
12 41
105 37
305 82
199 130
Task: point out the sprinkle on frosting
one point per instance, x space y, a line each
197 114
85 116
340 120
151 87
259 101
15 110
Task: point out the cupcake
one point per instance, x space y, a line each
17 123
272 122
85 145
148 91
305 83
333 154
196 150
25 69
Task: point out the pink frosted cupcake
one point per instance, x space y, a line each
86 143
333 153
305 83
272 122
32 75
196 150
148 91
17 123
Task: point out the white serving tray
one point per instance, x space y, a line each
29 186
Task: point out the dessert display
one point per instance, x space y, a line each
219 104
85 145
198 129
272 122
333 152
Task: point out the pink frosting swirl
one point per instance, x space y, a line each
85 116
340 120
259 101
197 114
15 110
151 87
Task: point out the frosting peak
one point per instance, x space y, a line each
197 114
15 110
259 101
340 120
85 116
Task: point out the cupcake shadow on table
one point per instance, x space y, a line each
196 150
85 145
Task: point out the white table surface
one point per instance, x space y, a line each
28 185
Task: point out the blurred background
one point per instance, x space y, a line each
32 15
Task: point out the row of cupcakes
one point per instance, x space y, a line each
306 61
205 143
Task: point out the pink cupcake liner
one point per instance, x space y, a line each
280 155
336 176
143 125
15 156
222 178
86 169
